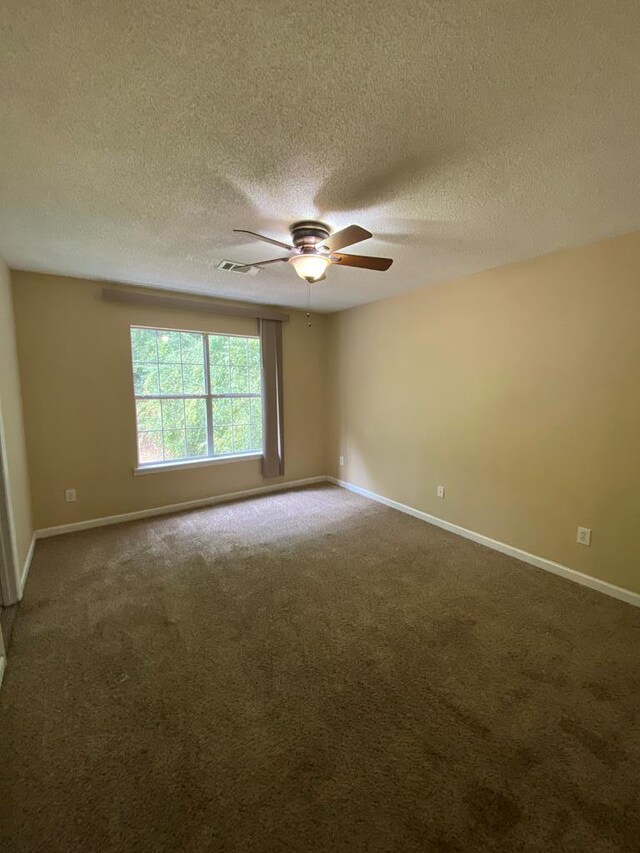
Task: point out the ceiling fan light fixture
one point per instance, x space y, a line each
314 248
310 267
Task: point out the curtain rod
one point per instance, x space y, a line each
184 304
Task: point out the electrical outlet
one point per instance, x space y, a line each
584 536
342 460
70 495
440 491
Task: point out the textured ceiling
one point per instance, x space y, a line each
463 133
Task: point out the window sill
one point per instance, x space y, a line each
185 464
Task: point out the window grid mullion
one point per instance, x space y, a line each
182 381
158 375
237 396
209 402
161 419
168 397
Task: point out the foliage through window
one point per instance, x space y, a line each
198 396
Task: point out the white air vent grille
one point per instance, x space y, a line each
233 266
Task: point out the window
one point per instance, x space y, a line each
198 396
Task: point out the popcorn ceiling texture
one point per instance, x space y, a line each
465 135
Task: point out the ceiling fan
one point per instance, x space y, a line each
313 249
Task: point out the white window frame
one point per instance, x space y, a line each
193 461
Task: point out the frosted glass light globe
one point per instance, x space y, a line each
310 267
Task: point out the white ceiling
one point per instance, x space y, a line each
463 133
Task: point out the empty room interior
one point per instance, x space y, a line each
319 426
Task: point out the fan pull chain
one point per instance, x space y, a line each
308 304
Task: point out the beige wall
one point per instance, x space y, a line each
519 390
12 427
75 366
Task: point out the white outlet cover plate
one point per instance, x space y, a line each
584 536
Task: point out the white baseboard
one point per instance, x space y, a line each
27 566
45 532
524 556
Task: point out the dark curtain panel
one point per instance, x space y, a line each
272 398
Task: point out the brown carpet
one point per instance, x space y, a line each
311 671
7 618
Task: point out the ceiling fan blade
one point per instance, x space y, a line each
347 237
262 263
262 237
366 262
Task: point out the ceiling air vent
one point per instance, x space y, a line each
243 269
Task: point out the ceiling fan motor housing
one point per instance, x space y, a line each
307 234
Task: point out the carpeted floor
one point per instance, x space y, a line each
7 618
310 671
